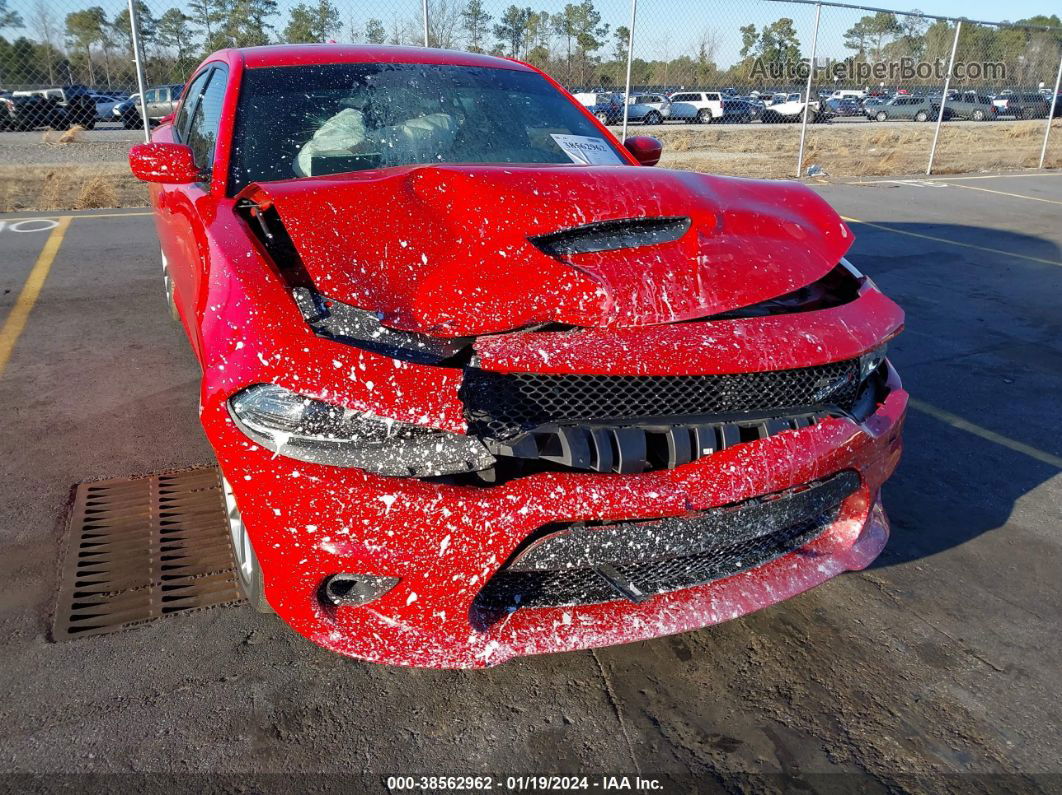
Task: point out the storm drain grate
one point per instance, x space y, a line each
144 548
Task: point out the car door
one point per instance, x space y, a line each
182 227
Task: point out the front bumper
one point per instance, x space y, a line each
444 542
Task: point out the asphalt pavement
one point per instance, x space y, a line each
935 669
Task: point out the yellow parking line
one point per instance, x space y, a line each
916 180
19 314
1004 193
952 242
74 217
955 421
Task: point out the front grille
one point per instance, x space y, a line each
717 543
502 405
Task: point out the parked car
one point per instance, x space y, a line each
971 105
77 103
648 108
702 107
736 109
910 108
1030 105
105 106
848 93
436 455
791 109
29 112
161 101
607 107
847 106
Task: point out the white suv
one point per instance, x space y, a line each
697 106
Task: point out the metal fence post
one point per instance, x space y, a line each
138 61
424 12
1051 114
807 91
630 57
944 98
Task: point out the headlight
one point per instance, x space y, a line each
311 430
871 361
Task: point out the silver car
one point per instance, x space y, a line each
648 108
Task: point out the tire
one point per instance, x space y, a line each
881 115
248 572
602 117
653 118
921 116
704 116
978 115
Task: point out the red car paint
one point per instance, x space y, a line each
443 250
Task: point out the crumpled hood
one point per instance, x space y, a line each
445 250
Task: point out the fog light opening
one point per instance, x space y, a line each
351 590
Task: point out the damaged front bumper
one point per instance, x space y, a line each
446 543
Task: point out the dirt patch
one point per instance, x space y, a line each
69 187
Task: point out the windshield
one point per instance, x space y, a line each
301 121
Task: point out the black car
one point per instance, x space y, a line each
78 104
31 112
739 110
1033 105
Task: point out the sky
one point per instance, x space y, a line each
664 28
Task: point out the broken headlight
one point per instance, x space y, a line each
305 429
359 327
869 362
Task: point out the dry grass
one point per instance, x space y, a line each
57 138
69 187
856 150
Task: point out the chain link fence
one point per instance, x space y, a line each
771 88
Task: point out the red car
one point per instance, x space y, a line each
482 384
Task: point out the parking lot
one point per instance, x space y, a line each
940 659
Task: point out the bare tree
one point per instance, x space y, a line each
444 22
47 29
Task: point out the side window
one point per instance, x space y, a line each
206 118
152 95
184 116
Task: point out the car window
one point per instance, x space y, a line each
680 98
184 115
301 121
206 118
152 95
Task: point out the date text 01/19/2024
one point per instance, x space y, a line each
521 783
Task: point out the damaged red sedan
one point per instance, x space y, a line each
482 384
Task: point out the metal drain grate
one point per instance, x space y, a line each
144 548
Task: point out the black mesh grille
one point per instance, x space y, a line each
515 589
720 543
502 405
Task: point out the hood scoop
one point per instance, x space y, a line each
610 236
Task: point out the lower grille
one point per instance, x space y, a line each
502 405
589 564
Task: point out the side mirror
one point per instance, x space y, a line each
645 148
164 162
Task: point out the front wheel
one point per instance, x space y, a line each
978 115
652 118
248 571
602 117
882 115
921 116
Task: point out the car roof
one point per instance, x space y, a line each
305 54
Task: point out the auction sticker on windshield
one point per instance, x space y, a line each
586 150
